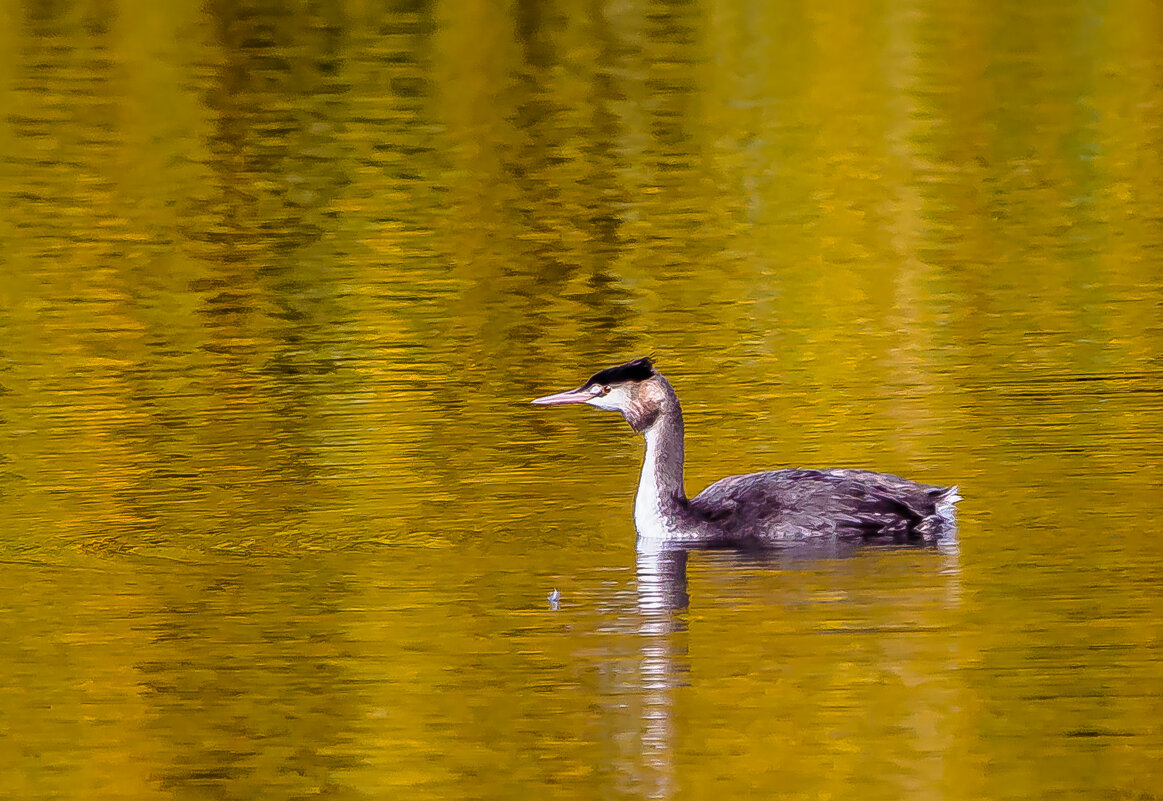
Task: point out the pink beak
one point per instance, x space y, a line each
562 398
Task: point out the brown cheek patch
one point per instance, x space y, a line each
641 418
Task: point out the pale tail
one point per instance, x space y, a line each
946 514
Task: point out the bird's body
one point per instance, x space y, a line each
797 504
756 510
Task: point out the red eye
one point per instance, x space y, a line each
605 390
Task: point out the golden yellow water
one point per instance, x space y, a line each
277 282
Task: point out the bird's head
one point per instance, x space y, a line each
634 389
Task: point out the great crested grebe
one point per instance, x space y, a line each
756 510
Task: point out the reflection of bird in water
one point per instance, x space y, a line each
758 509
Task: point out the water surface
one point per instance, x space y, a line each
276 286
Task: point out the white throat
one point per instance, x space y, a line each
648 507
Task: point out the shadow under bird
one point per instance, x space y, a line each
756 510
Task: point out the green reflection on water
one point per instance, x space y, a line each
280 281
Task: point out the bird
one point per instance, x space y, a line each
757 510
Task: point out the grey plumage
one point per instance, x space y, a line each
796 504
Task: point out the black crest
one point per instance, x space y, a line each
637 370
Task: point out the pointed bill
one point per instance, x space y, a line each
562 398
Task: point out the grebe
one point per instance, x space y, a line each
756 510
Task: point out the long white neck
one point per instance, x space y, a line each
661 497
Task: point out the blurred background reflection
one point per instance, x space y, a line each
278 280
